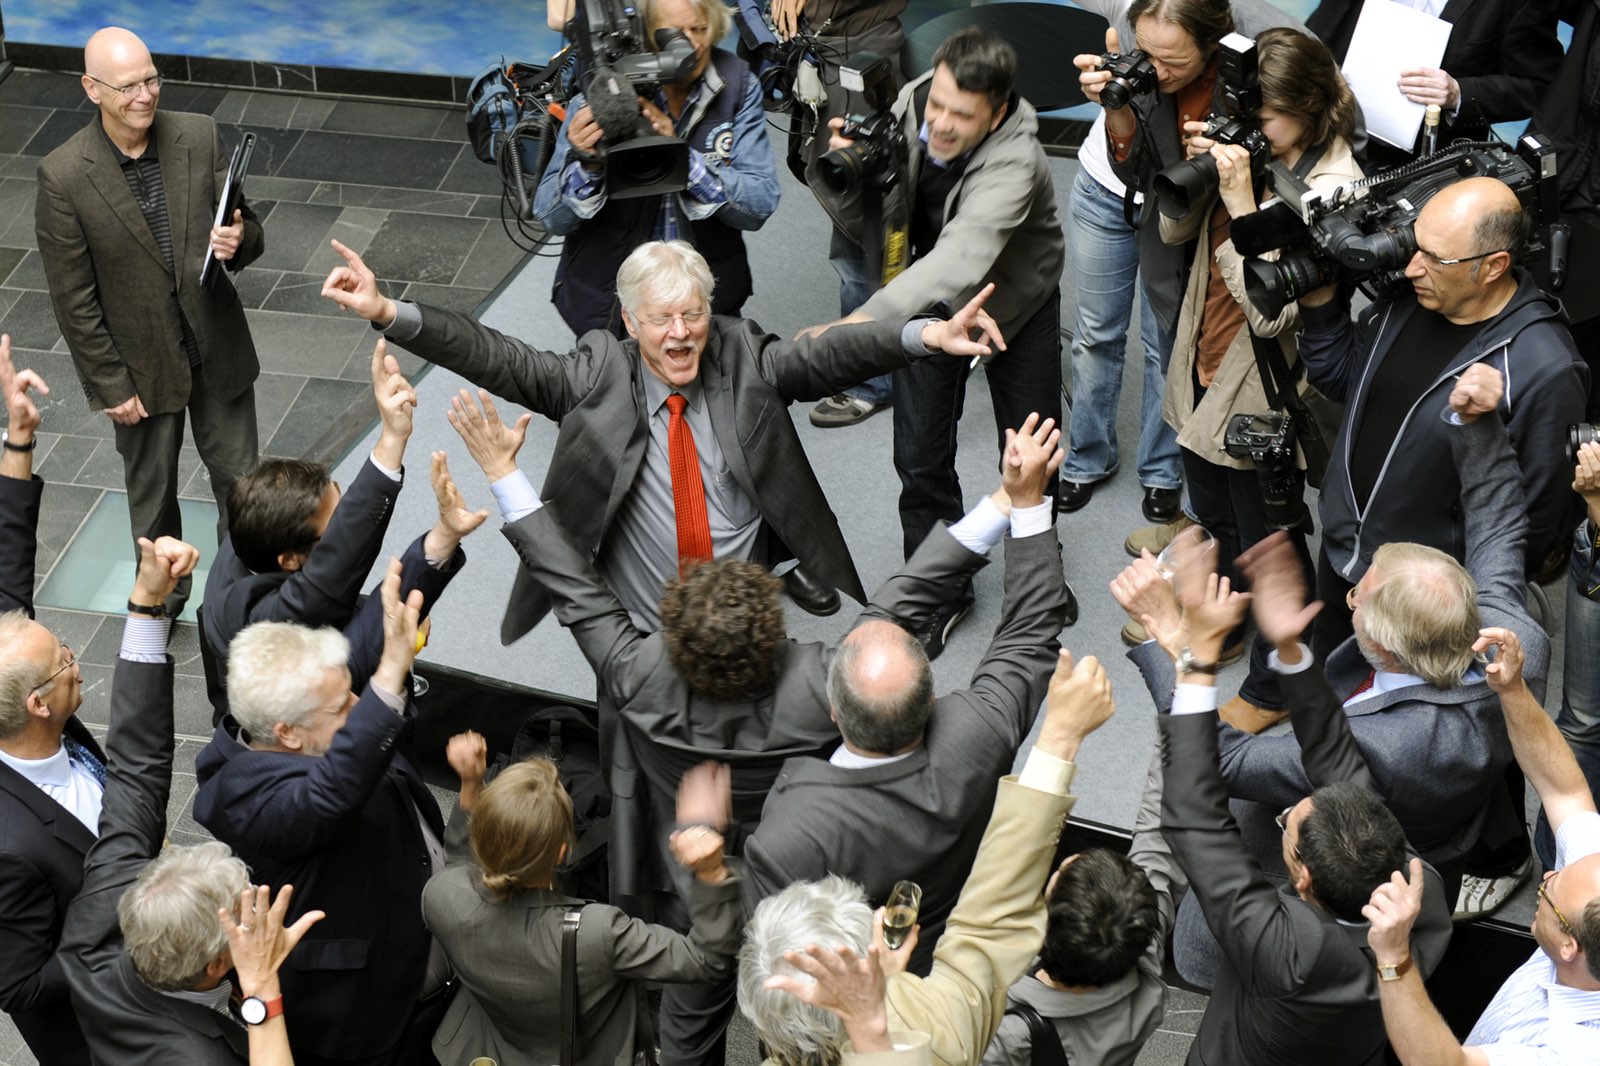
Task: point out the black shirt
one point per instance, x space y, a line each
1428 343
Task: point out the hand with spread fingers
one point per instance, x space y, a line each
401 619
456 521
492 444
844 984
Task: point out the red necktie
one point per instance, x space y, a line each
1372 675
688 490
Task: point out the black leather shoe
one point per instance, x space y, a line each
1074 494
1161 505
809 593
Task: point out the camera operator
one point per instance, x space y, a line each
1142 137
1308 117
733 181
844 29
982 209
1500 57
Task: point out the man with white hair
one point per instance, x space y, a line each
311 792
692 392
142 949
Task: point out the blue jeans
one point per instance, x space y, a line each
1105 253
928 400
1579 717
850 263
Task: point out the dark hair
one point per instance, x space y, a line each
1351 843
1300 78
1505 226
1207 21
1587 933
270 510
980 62
721 622
885 724
1102 916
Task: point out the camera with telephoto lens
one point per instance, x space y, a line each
1132 74
1578 435
878 154
1188 182
622 67
1362 232
1267 442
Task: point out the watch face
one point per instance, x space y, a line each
253 1011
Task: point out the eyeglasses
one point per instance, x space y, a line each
1283 826
152 85
72 660
690 318
1437 261
1544 894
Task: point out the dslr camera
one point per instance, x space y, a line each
622 67
1267 441
1132 74
878 155
1362 232
1184 184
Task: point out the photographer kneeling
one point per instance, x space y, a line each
1304 117
732 181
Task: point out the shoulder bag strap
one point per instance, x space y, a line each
1042 1036
569 985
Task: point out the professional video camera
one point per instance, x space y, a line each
1186 183
1132 74
1361 232
1267 441
622 67
878 155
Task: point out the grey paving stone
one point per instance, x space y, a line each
449 297
273 146
18 124
32 322
254 283
295 190
44 89
66 457
320 405
54 131
293 232
427 248
385 119
66 409
196 99
302 295
471 174
243 107
359 365
16 209
9 259
104 469
382 197
28 273
304 344
8 296
275 393
364 160
79 629
1165 1048
355 229
491 261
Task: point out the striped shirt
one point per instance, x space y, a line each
1533 1020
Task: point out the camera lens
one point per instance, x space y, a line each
842 168
1185 184
1579 435
1114 94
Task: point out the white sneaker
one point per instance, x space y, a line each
1482 896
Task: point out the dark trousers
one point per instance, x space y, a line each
1227 502
224 435
928 401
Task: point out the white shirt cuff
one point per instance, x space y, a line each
1278 665
144 639
982 527
392 475
1027 521
1194 699
516 496
1044 772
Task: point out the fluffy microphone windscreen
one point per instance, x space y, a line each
615 104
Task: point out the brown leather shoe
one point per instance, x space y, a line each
1247 717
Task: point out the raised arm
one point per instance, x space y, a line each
20 491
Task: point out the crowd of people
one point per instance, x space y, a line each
769 796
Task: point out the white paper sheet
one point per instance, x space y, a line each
1389 38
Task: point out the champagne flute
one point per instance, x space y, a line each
900 913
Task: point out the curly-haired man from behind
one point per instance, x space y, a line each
721 622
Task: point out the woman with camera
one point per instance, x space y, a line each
1307 117
1173 46
498 915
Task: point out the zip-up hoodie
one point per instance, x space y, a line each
1417 496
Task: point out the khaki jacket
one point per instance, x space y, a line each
1237 388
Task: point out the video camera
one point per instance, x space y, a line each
1186 183
1132 74
774 60
1362 232
878 155
621 68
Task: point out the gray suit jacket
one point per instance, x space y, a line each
126 1021
1436 755
508 959
921 817
115 300
597 395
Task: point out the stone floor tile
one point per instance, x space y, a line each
390 120
54 131
195 99
32 321
28 273
41 88
420 201
104 468
471 174
355 228
18 124
427 248
295 190
449 297
364 160
492 260
304 344
320 404
293 232
9 260
254 283
301 294
66 457
273 146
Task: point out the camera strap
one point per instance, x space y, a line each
1281 386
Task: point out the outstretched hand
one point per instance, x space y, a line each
1032 454
455 519
492 444
968 333
1278 590
354 287
258 940
844 984
401 619
1077 703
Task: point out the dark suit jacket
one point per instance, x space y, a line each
921 818
1436 755
1295 984
597 395
41 844
668 728
115 300
1502 52
127 1021
324 592
343 830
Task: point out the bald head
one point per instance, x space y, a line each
1484 208
115 60
1467 239
881 689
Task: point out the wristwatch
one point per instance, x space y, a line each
1396 971
12 446
149 610
254 1010
1188 664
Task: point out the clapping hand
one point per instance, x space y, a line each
401 619
456 521
492 444
1278 590
1032 454
1150 600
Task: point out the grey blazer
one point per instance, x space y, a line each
596 394
115 300
507 957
